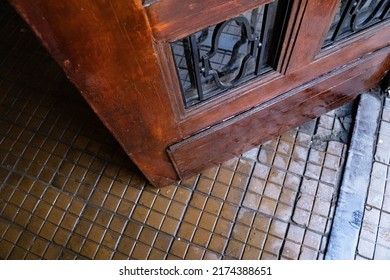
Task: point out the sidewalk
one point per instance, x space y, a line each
361 228
374 239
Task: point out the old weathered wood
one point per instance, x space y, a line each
313 28
266 88
172 19
249 129
112 61
297 12
117 53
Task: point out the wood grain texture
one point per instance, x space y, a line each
313 28
248 130
266 88
172 19
112 62
297 12
117 54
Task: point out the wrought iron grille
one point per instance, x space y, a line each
356 15
220 57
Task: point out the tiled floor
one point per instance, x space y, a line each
374 241
68 191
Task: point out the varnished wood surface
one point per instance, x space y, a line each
313 28
172 19
274 118
115 52
264 89
112 62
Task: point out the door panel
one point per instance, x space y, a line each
172 19
247 130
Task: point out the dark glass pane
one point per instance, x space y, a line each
222 56
356 15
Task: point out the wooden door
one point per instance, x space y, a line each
301 59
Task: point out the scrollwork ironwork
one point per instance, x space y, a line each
247 35
356 15
220 57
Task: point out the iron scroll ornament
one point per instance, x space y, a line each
247 34
220 57
356 15
379 12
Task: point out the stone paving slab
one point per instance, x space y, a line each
353 190
374 238
361 228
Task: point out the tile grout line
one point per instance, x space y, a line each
381 211
234 219
186 206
